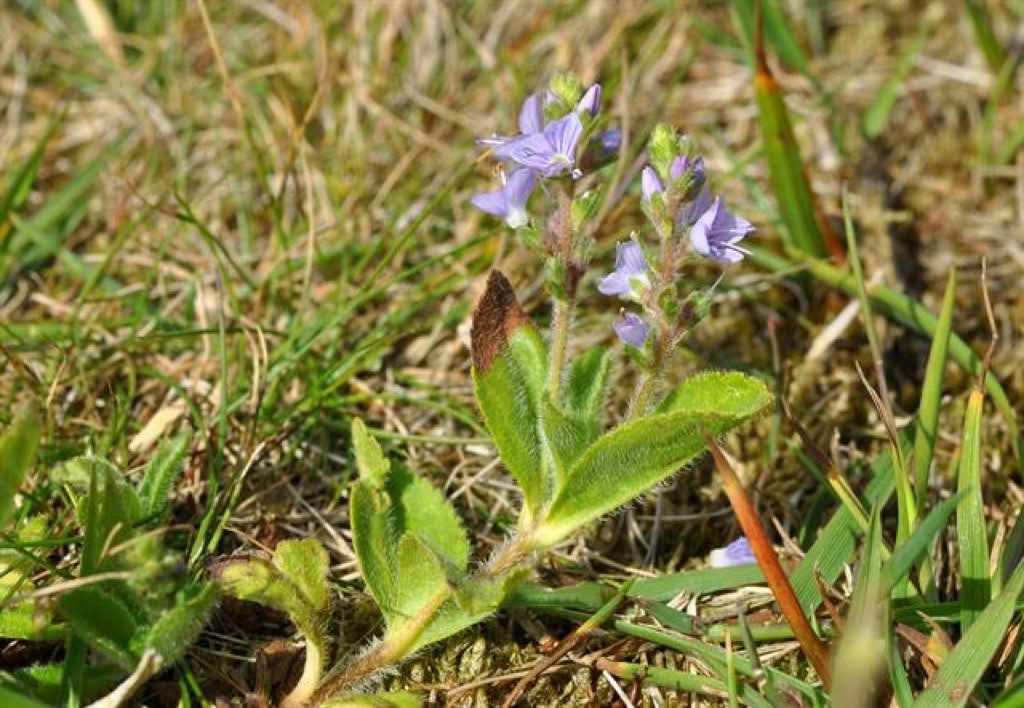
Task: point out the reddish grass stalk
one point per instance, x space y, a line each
814 649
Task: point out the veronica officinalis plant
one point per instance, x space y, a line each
545 410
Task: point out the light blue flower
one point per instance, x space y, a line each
550 152
736 553
630 276
631 329
717 233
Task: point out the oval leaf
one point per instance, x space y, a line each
509 367
637 455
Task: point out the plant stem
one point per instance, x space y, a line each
563 308
559 340
650 379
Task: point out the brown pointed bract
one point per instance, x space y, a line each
496 317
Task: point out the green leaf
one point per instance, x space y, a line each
374 541
904 557
305 563
421 578
836 542
419 508
373 466
638 454
976 585
296 586
805 229
161 473
861 655
931 393
565 436
874 120
18 451
12 699
776 29
963 668
178 628
509 368
393 699
587 384
43 682
102 620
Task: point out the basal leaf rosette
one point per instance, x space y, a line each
638 454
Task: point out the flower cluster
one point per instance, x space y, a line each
677 199
557 138
547 146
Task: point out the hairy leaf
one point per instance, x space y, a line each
102 620
637 455
587 383
160 475
373 466
177 629
509 368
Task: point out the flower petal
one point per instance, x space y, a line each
563 135
533 151
736 553
519 186
630 260
491 202
591 101
695 209
615 283
531 115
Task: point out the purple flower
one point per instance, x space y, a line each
717 232
551 151
631 329
630 265
650 183
509 202
591 101
736 553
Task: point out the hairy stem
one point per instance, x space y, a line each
564 239
559 339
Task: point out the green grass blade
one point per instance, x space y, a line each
970 519
777 31
857 660
964 667
931 392
877 116
985 34
907 511
904 557
805 229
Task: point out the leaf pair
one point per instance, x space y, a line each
569 475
